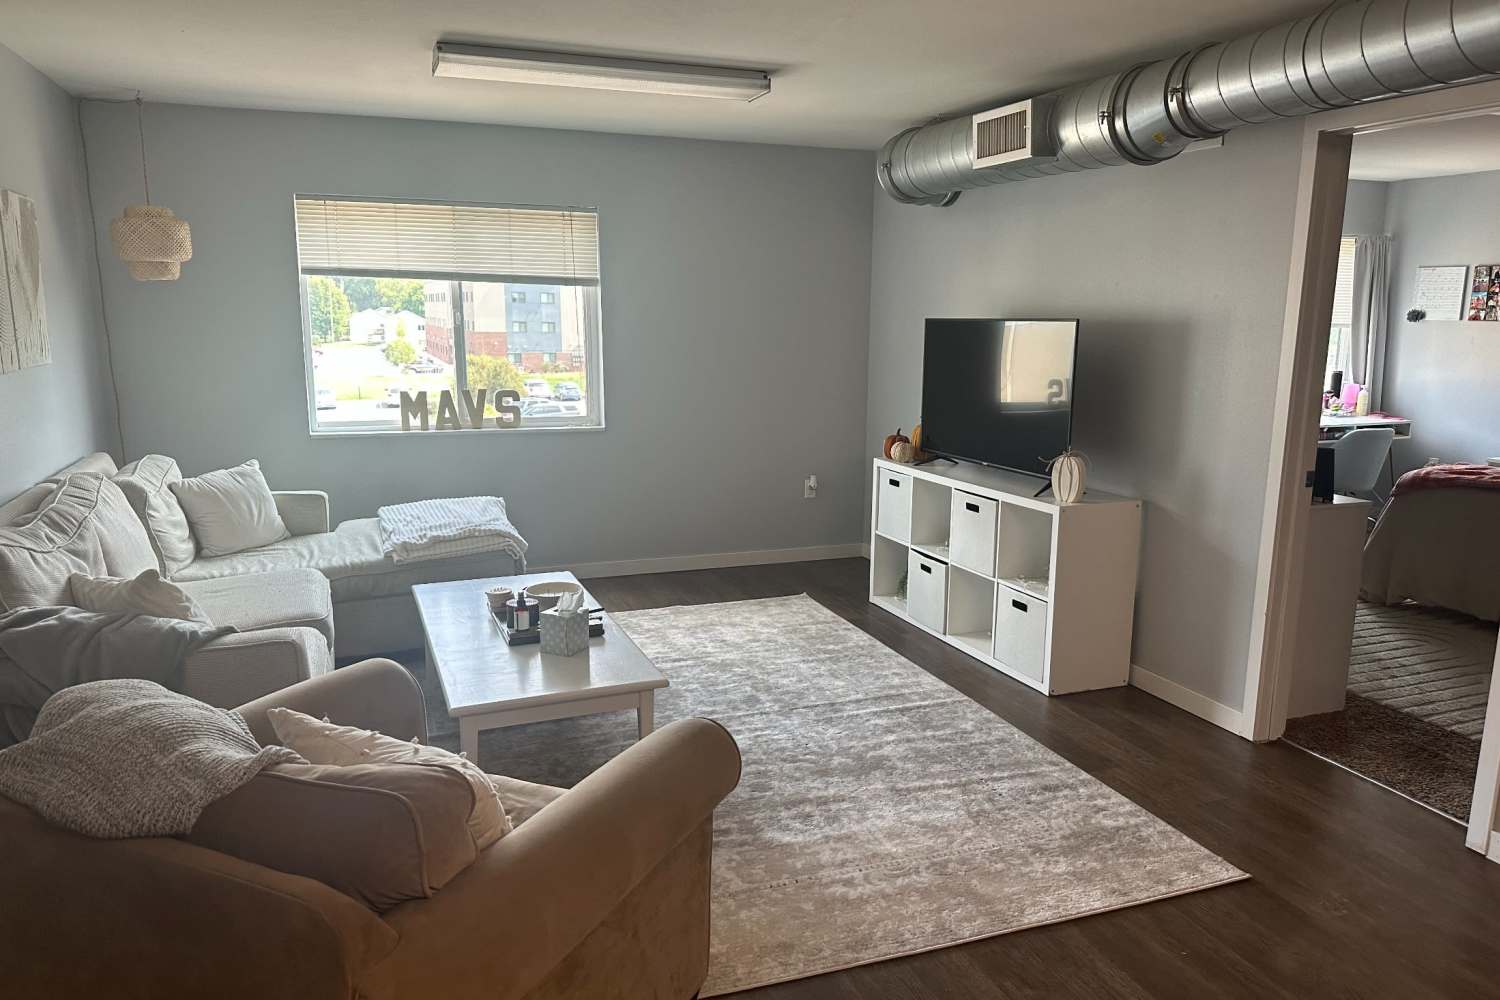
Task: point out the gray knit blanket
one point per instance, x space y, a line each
128 758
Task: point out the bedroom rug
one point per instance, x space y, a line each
1429 662
881 813
1406 754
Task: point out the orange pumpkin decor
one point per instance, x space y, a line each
892 439
918 455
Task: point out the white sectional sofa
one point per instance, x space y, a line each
297 602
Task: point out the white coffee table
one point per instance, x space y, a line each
488 684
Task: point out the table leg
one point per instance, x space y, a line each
646 714
468 738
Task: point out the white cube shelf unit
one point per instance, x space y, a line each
1041 591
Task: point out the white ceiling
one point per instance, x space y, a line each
846 73
1457 146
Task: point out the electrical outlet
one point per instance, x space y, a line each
810 488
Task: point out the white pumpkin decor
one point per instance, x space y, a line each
903 452
1068 472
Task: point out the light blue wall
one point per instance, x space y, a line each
1445 376
1364 208
736 289
52 414
1179 274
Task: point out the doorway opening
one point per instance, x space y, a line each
1378 646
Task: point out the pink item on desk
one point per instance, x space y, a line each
1349 396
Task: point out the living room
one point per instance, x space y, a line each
662 342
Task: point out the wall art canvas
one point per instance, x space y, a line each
23 307
1484 293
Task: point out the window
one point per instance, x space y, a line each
1341 332
425 297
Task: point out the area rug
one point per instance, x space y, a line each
1429 662
881 813
1407 754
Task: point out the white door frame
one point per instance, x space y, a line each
1321 188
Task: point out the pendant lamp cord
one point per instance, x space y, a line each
140 122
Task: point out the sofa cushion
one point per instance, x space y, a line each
231 510
288 598
322 742
351 558
127 547
382 833
146 594
523 799
87 527
147 485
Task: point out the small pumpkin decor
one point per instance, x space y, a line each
890 444
1068 472
916 445
903 452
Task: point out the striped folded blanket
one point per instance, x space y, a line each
455 526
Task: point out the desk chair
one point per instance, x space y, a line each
1358 457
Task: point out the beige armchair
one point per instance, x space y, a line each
603 893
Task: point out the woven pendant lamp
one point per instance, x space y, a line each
151 241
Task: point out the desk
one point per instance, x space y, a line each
1331 428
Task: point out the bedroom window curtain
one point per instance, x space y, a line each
1369 312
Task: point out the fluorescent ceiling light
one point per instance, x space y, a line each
563 69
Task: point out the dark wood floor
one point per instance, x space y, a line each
1354 891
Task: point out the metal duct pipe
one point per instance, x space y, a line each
1349 53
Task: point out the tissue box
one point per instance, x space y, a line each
564 633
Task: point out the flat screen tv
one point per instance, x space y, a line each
999 391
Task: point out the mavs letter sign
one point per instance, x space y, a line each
505 402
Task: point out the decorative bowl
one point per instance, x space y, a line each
498 597
547 592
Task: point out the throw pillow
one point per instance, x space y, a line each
322 742
231 510
382 833
146 484
147 594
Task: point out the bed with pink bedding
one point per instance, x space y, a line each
1438 542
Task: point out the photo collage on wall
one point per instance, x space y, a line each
1484 293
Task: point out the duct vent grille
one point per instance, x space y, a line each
1011 134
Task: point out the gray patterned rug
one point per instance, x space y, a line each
881 813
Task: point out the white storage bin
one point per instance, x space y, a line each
1020 632
927 591
893 509
973 530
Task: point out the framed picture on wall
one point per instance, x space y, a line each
1484 294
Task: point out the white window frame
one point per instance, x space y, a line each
592 317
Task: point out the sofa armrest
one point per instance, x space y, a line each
499 927
159 917
371 694
235 668
304 511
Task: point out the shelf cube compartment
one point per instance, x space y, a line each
971 611
1023 553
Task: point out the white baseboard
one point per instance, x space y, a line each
710 560
1188 700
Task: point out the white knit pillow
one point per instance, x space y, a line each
322 742
147 594
231 509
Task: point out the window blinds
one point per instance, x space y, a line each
1343 288
551 246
